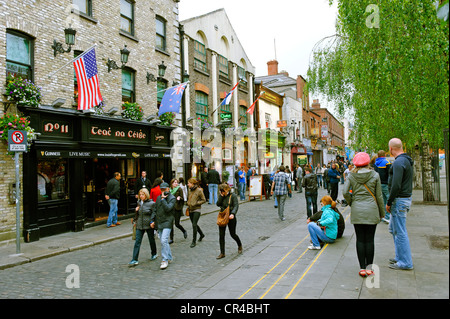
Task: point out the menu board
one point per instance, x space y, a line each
255 186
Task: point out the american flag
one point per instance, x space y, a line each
87 79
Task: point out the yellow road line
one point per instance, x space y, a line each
253 286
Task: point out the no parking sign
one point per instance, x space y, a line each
17 141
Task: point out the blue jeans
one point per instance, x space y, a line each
319 180
112 217
164 235
397 227
317 234
311 200
137 244
242 190
213 188
385 193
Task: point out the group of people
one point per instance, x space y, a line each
160 207
375 190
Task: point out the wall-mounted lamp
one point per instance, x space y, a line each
161 73
124 53
70 40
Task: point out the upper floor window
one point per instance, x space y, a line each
243 115
127 16
200 56
84 6
19 55
223 66
160 33
201 101
128 88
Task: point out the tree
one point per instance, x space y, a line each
387 68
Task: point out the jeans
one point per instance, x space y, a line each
319 180
281 199
137 244
385 193
232 228
242 190
164 235
311 199
112 217
397 227
213 188
317 235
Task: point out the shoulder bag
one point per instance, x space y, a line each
224 217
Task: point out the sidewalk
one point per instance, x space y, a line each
59 244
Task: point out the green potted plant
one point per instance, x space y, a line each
132 111
22 91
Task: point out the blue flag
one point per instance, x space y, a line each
171 100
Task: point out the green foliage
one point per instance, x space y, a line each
15 122
132 111
167 118
23 92
391 79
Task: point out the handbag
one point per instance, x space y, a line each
133 237
224 217
187 211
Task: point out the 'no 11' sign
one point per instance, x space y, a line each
17 141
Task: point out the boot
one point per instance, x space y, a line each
240 250
220 256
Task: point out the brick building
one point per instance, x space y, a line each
78 156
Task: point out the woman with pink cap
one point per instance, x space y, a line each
367 209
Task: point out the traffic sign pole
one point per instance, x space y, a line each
16 159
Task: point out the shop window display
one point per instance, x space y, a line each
52 180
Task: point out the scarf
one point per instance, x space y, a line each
174 190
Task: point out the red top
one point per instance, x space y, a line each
155 192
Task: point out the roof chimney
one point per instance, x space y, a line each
316 104
272 67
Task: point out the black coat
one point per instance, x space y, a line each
140 184
222 202
163 212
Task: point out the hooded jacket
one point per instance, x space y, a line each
365 208
382 167
329 219
401 178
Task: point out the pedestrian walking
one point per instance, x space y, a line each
366 202
183 186
142 221
241 184
399 203
291 176
326 179
112 195
326 228
299 178
281 186
310 184
382 166
204 182
162 219
319 174
177 191
334 176
228 199
213 185
195 200
156 189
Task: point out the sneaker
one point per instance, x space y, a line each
164 265
312 247
133 263
154 257
397 267
392 261
385 220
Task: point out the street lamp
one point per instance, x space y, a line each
69 34
161 72
124 53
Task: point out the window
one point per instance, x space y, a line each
200 56
128 94
243 115
223 66
161 87
242 76
52 179
160 33
84 6
201 101
127 16
19 55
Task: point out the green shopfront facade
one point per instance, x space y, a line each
67 168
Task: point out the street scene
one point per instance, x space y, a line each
166 150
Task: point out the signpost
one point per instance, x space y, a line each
17 142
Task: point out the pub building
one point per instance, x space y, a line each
66 169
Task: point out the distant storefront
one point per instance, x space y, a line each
66 171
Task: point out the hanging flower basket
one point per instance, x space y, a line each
15 122
23 92
167 118
132 111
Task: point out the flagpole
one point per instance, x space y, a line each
72 60
222 101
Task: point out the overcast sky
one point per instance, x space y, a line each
296 25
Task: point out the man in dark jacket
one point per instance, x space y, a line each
334 176
112 195
163 218
382 167
310 184
213 184
204 182
399 203
142 182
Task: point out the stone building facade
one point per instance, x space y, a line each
150 31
